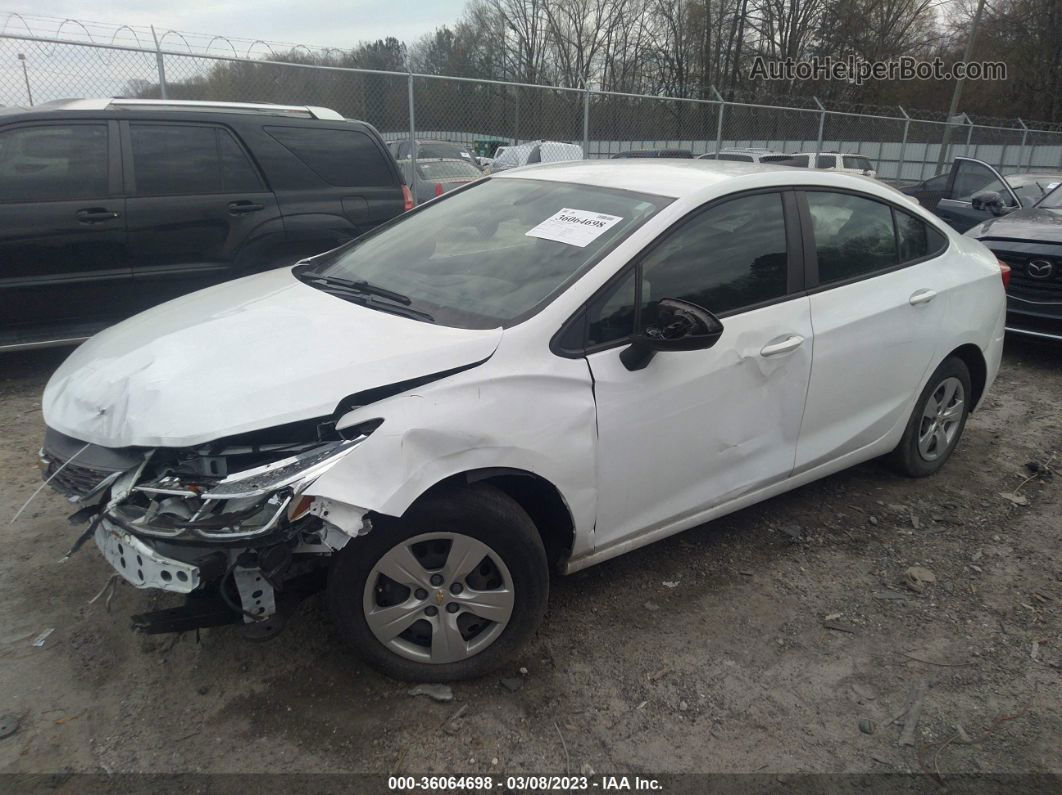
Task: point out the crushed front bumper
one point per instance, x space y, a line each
237 539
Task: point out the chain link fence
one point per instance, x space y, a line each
36 69
467 111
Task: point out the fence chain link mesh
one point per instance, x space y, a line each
467 111
35 69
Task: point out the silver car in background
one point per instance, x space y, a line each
437 176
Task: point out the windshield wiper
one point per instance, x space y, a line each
399 309
368 300
358 286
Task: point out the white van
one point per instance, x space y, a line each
534 152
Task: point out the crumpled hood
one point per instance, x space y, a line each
245 355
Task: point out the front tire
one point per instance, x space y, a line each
450 591
937 421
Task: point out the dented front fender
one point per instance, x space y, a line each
542 423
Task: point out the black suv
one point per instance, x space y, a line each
110 206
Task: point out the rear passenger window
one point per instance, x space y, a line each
345 158
56 162
917 239
853 236
176 159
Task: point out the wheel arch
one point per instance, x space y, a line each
540 498
970 355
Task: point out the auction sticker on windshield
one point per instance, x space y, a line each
574 227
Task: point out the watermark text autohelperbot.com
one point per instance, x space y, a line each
856 70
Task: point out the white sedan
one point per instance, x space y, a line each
536 372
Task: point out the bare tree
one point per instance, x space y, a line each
579 32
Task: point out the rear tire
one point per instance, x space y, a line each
450 591
937 422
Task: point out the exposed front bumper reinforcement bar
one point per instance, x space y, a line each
142 566
206 608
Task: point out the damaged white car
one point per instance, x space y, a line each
536 372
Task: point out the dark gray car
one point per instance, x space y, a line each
1029 240
973 191
437 176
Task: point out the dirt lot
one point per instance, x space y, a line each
757 643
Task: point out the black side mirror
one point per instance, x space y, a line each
682 326
988 200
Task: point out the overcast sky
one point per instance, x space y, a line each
316 23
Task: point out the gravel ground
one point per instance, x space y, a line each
785 638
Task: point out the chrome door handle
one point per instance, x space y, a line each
790 343
922 297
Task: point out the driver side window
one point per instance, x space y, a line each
728 257
971 178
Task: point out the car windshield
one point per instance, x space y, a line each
449 169
428 149
493 253
1053 200
857 162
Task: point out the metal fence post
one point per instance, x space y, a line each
25 76
822 127
160 64
903 144
516 115
586 122
412 141
719 120
969 133
1024 136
